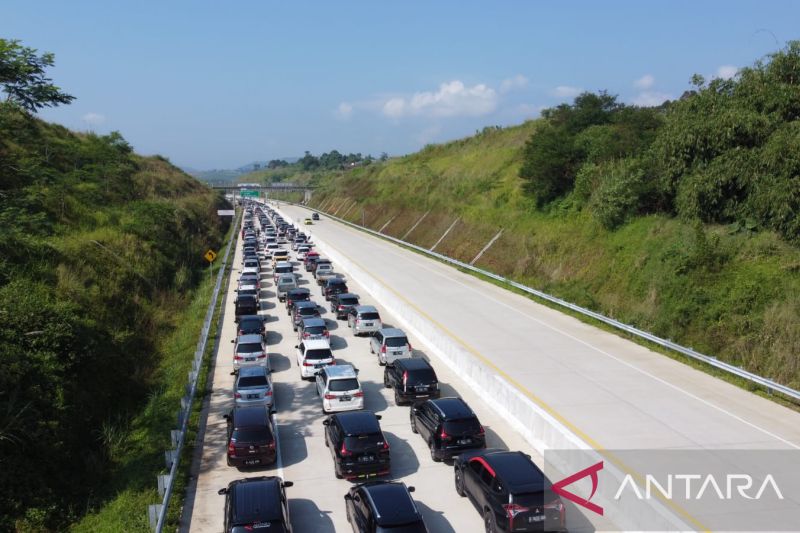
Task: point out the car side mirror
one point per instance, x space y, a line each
233 341
378 417
297 346
411 489
326 422
222 491
287 484
226 416
414 410
347 497
357 498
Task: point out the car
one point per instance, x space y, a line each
251 438
256 504
509 490
334 286
323 273
315 216
279 256
364 319
250 270
283 284
308 259
378 506
341 303
253 386
245 305
390 344
448 425
296 295
357 445
307 221
302 251
252 263
312 355
251 324
319 261
248 290
280 268
302 310
339 389
412 380
313 328
249 350
250 279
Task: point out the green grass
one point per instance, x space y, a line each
735 296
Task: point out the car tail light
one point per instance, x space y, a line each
405 378
358 321
262 356
237 395
481 431
306 335
359 394
341 308
344 451
268 393
410 348
558 505
271 445
330 396
385 444
512 510
238 357
327 333
383 349
443 435
231 449
306 363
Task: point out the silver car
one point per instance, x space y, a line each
364 319
253 386
390 344
284 283
249 350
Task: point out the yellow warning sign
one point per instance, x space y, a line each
210 255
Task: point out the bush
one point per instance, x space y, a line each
619 191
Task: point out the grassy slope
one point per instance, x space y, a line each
735 296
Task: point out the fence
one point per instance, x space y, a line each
157 513
770 385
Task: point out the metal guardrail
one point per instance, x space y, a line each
770 385
157 513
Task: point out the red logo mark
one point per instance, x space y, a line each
559 489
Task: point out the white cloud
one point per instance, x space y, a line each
651 98
645 82
516 82
451 100
93 119
727 72
344 111
565 91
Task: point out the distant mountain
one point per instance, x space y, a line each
232 174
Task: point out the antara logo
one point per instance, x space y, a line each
591 471
732 484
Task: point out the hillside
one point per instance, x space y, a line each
100 258
725 282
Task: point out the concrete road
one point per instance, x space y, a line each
316 500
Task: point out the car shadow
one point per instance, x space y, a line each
270 318
493 440
338 343
373 396
435 520
306 516
293 445
279 362
273 337
404 460
331 323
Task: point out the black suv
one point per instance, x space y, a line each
252 324
296 295
411 379
334 286
246 304
449 427
357 445
256 504
251 440
511 491
341 303
383 506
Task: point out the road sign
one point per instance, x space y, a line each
210 255
248 194
226 212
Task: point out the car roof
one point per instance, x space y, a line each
452 408
517 470
366 309
249 297
315 321
314 344
280 264
256 415
346 295
248 318
250 371
298 290
391 501
392 332
358 422
415 363
256 500
287 277
341 371
250 338
300 305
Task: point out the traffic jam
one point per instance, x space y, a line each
507 490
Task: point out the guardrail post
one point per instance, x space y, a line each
483 250
163 483
445 234
415 225
175 437
152 514
169 457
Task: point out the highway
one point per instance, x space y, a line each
602 390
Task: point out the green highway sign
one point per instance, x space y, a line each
248 194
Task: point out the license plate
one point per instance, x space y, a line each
250 359
366 458
464 441
320 366
252 396
252 461
422 388
536 518
397 353
345 398
367 323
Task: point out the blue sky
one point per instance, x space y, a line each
220 84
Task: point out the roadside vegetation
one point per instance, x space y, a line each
100 281
683 220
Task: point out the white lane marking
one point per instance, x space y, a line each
587 344
279 460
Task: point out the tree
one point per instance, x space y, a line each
22 76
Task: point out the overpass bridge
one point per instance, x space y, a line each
264 189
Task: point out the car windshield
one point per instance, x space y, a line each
253 434
250 323
341 385
462 426
315 330
321 353
286 279
348 301
370 316
250 382
249 348
360 443
424 376
308 311
396 342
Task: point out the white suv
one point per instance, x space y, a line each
339 389
312 355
